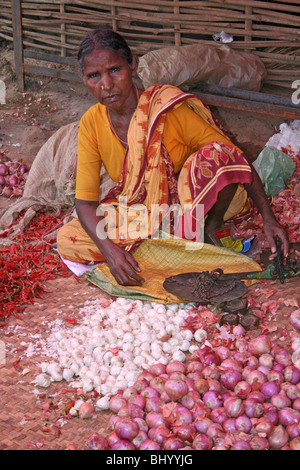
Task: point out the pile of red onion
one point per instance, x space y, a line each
243 398
13 176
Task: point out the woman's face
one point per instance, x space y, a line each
108 77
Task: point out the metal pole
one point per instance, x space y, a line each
18 42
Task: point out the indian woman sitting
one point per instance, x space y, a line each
161 147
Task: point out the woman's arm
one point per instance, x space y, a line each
272 228
122 265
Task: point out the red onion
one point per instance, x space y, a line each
295 444
276 376
149 392
190 399
270 388
149 445
13 180
232 364
116 403
230 425
292 374
242 389
158 383
154 419
264 427
123 445
143 426
3 169
260 345
211 371
172 443
266 360
195 375
295 319
292 391
214 384
288 416
296 404
112 438
271 413
218 415
201 385
280 400
202 424
278 438
234 407
175 366
153 404
95 442
194 366
243 424
212 399
252 362
141 384
253 409
185 432
256 378
223 352
158 369
129 392
241 445
159 434
230 378
259 443
138 400
293 430
257 396
141 437
215 431
181 415
283 357
202 442
176 389
126 428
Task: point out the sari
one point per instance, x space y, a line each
149 185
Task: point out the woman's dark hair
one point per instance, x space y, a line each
104 39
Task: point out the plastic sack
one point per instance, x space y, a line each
274 169
218 65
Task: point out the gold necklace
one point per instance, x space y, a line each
111 124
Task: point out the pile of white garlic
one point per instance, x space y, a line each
115 341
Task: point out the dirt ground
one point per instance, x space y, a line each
37 420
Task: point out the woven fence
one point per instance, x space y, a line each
269 29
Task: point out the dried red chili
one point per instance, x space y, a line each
27 263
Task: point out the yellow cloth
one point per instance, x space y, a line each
161 258
184 133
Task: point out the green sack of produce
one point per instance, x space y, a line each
274 169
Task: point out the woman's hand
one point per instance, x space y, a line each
122 265
273 230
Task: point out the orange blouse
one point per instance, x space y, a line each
184 133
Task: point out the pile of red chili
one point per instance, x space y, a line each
27 264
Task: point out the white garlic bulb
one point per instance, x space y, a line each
42 380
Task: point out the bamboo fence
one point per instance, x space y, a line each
269 29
